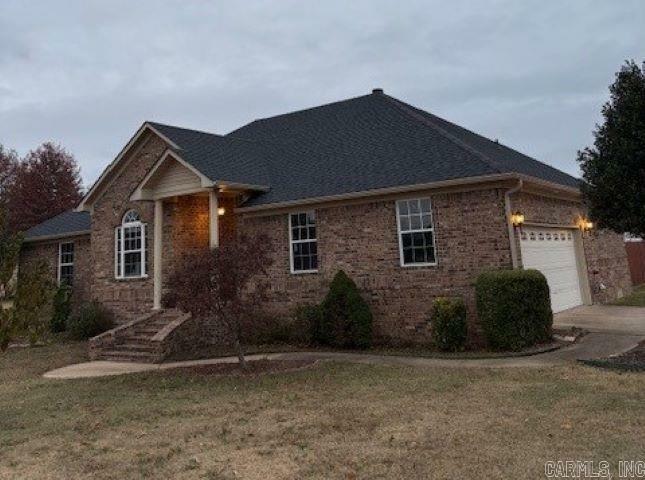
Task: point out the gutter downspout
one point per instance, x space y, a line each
511 229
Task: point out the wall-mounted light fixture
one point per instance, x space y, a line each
584 224
221 211
517 219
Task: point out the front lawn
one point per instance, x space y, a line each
636 299
333 421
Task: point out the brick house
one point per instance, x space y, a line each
410 205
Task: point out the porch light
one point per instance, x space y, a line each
584 224
221 211
517 219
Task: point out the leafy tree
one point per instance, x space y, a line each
33 302
227 285
45 183
8 165
614 168
9 251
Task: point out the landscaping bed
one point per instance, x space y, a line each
425 351
631 361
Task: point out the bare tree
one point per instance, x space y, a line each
227 284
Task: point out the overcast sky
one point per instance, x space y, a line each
86 74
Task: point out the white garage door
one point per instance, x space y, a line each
552 252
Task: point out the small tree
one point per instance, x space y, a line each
614 168
346 319
226 284
33 302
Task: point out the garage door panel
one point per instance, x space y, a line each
552 252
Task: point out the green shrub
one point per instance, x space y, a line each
33 302
90 321
307 323
7 327
514 308
62 309
449 328
346 319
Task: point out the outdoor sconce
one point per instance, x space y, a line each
584 224
517 219
221 211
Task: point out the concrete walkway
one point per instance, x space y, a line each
614 330
604 318
593 345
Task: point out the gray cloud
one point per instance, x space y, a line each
88 73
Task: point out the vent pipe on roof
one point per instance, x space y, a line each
377 90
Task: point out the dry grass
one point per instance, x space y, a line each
635 299
334 421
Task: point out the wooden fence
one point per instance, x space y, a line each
636 258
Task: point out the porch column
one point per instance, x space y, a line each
158 247
213 220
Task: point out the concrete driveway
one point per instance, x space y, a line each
604 318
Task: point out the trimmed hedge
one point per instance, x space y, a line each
514 308
345 318
449 328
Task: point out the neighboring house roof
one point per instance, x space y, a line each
66 224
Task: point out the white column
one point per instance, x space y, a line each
158 248
213 219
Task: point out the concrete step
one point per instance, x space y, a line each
130 346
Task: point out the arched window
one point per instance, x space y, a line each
130 247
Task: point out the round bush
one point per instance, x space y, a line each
93 319
514 308
346 319
449 327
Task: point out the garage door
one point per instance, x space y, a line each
552 252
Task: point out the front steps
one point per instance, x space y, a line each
147 339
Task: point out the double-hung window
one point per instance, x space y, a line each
130 247
416 232
66 263
303 242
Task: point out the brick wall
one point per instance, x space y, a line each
471 235
128 297
48 252
604 250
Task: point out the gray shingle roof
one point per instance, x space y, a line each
66 223
376 141
363 143
218 157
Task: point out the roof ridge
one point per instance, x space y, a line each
272 117
409 110
184 128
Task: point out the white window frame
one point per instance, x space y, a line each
62 264
119 253
309 240
418 230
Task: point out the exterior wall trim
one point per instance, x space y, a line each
367 194
61 236
85 204
139 193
